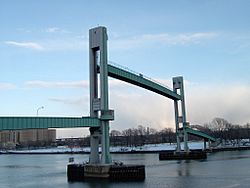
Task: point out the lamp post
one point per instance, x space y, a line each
42 107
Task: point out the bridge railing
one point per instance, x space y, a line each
200 134
139 74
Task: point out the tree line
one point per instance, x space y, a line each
141 135
219 128
227 132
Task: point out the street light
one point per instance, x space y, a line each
42 107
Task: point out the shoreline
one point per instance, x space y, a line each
33 152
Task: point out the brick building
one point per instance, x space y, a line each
29 136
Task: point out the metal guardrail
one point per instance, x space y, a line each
138 74
200 134
141 81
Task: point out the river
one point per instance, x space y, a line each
221 169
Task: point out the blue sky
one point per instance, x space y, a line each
44 58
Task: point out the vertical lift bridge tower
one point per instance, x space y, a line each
99 108
99 70
99 104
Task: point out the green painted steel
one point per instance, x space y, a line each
18 123
200 134
140 81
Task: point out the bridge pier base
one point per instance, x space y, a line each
191 155
112 172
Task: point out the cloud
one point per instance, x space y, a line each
7 86
114 84
65 44
78 101
203 103
29 45
24 30
56 30
231 102
117 42
161 39
145 108
53 44
61 85
52 30
180 39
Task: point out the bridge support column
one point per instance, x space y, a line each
177 132
178 87
94 146
209 144
105 157
185 138
205 145
93 85
99 105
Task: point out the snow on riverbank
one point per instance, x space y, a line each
148 147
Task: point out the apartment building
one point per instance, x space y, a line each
28 136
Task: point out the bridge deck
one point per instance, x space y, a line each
18 123
140 81
200 134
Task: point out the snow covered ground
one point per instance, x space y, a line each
148 147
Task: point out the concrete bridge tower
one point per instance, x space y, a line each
180 114
99 104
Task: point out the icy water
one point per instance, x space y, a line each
222 169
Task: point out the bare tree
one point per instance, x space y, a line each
219 124
115 133
167 135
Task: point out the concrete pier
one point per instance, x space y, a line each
75 172
191 155
96 171
85 172
127 173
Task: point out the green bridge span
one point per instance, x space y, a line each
19 123
200 134
141 81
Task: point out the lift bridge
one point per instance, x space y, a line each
100 114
